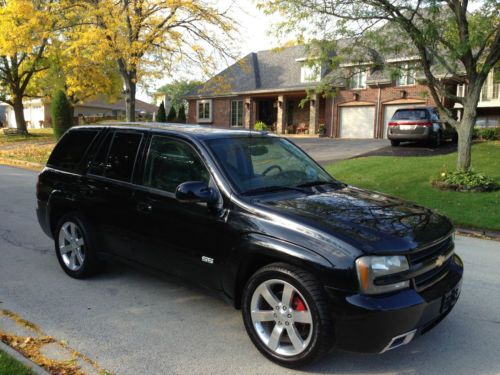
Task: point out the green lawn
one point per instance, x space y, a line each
9 365
408 178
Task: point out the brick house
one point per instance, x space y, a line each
269 86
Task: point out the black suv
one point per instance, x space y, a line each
313 263
419 124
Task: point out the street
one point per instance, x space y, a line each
132 322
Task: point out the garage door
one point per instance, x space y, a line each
357 122
389 111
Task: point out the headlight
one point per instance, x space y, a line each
370 268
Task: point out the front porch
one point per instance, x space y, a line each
283 114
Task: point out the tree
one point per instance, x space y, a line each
161 116
177 90
25 29
146 36
181 114
453 42
81 71
171 115
62 113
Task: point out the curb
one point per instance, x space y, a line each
479 233
25 361
22 164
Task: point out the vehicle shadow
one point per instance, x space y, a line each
454 346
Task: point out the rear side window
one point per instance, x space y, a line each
410 114
70 150
122 154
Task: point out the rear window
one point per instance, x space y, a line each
410 114
70 150
121 157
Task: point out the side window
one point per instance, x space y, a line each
170 163
122 154
71 148
98 166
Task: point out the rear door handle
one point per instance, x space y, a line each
145 207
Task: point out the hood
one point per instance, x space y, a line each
369 221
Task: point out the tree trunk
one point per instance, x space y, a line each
130 99
465 138
19 114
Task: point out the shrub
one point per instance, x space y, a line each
161 116
260 126
489 134
321 130
62 113
181 114
171 115
465 181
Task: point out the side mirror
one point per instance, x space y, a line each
195 191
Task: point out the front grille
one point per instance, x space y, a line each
425 259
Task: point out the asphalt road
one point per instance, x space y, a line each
132 322
326 150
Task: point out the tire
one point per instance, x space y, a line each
75 232
394 143
308 304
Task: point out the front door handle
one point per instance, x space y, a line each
145 207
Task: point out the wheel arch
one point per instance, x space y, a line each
256 251
58 206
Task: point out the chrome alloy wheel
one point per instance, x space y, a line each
71 246
281 317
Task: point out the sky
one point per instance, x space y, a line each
255 32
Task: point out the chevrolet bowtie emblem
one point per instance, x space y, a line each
440 260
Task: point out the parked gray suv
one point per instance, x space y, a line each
419 124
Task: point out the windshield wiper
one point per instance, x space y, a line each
314 183
270 189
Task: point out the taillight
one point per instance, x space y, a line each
424 123
393 124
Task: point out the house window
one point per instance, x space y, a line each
358 80
310 73
237 113
461 90
406 76
204 110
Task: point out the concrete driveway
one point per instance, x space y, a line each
326 150
132 322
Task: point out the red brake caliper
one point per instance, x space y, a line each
298 304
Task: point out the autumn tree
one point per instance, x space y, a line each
455 40
25 29
148 38
81 69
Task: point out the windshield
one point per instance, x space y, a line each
258 164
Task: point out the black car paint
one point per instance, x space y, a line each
322 229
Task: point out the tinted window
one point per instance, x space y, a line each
99 163
122 155
71 148
410 114
170 163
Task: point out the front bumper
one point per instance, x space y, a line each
374 324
